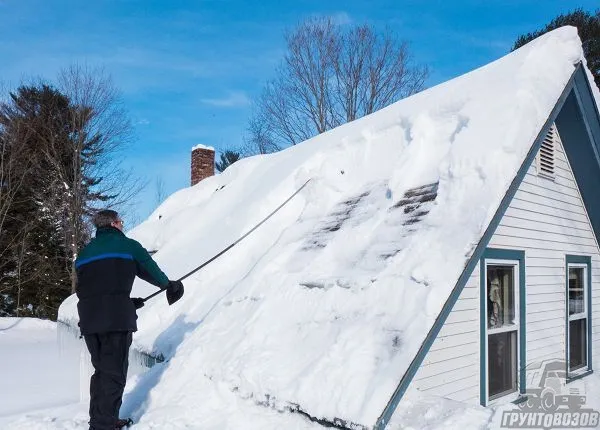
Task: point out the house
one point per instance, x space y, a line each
445 244
530 291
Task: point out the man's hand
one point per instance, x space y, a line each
174 291
138 302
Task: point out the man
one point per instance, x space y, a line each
106 269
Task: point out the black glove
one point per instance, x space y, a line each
138 302
174 291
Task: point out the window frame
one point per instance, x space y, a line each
511 255
516 327
584 262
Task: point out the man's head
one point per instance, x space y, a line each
108 218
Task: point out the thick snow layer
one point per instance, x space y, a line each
200 146
40 390
47 398
33 372
41 379
326 304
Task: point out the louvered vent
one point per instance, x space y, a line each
545 161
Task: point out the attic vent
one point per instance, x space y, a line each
545 158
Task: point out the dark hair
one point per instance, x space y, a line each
105 218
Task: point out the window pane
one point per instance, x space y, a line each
502 363
500 296
576 290
578 344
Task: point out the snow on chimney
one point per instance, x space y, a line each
203 163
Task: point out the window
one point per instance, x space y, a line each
577 304
502 310
545 157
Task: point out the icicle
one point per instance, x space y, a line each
85 373
136 363
67 339
71 345
140 361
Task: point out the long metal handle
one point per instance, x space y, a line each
234 243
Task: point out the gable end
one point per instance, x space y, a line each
470 265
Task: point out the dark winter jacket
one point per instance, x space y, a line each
106 269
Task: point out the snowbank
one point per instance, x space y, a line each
34 372
325 305
35 390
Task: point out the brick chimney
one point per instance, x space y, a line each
203 163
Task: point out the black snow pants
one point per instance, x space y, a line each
110 352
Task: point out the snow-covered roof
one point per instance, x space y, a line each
326 305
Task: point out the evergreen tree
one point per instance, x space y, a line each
227 159
54 146
588 27
33 275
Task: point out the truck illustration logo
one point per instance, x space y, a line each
551 401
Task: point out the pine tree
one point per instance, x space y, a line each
227 159
55 148
33 275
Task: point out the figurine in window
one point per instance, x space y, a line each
494 301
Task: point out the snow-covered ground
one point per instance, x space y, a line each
30 364
40 391
34 373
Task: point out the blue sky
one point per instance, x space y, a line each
188 70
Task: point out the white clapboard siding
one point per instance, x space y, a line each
441 369
520 202
544 333
546 325
547 220
544 297
453 329
451 368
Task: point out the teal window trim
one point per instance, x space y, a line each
581 375
587 260
521 399
511 255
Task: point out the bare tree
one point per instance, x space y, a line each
25 273
372 71
59 160
160 190
259 139
100 130
331 74
14 168
15 160
82 164
16 165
